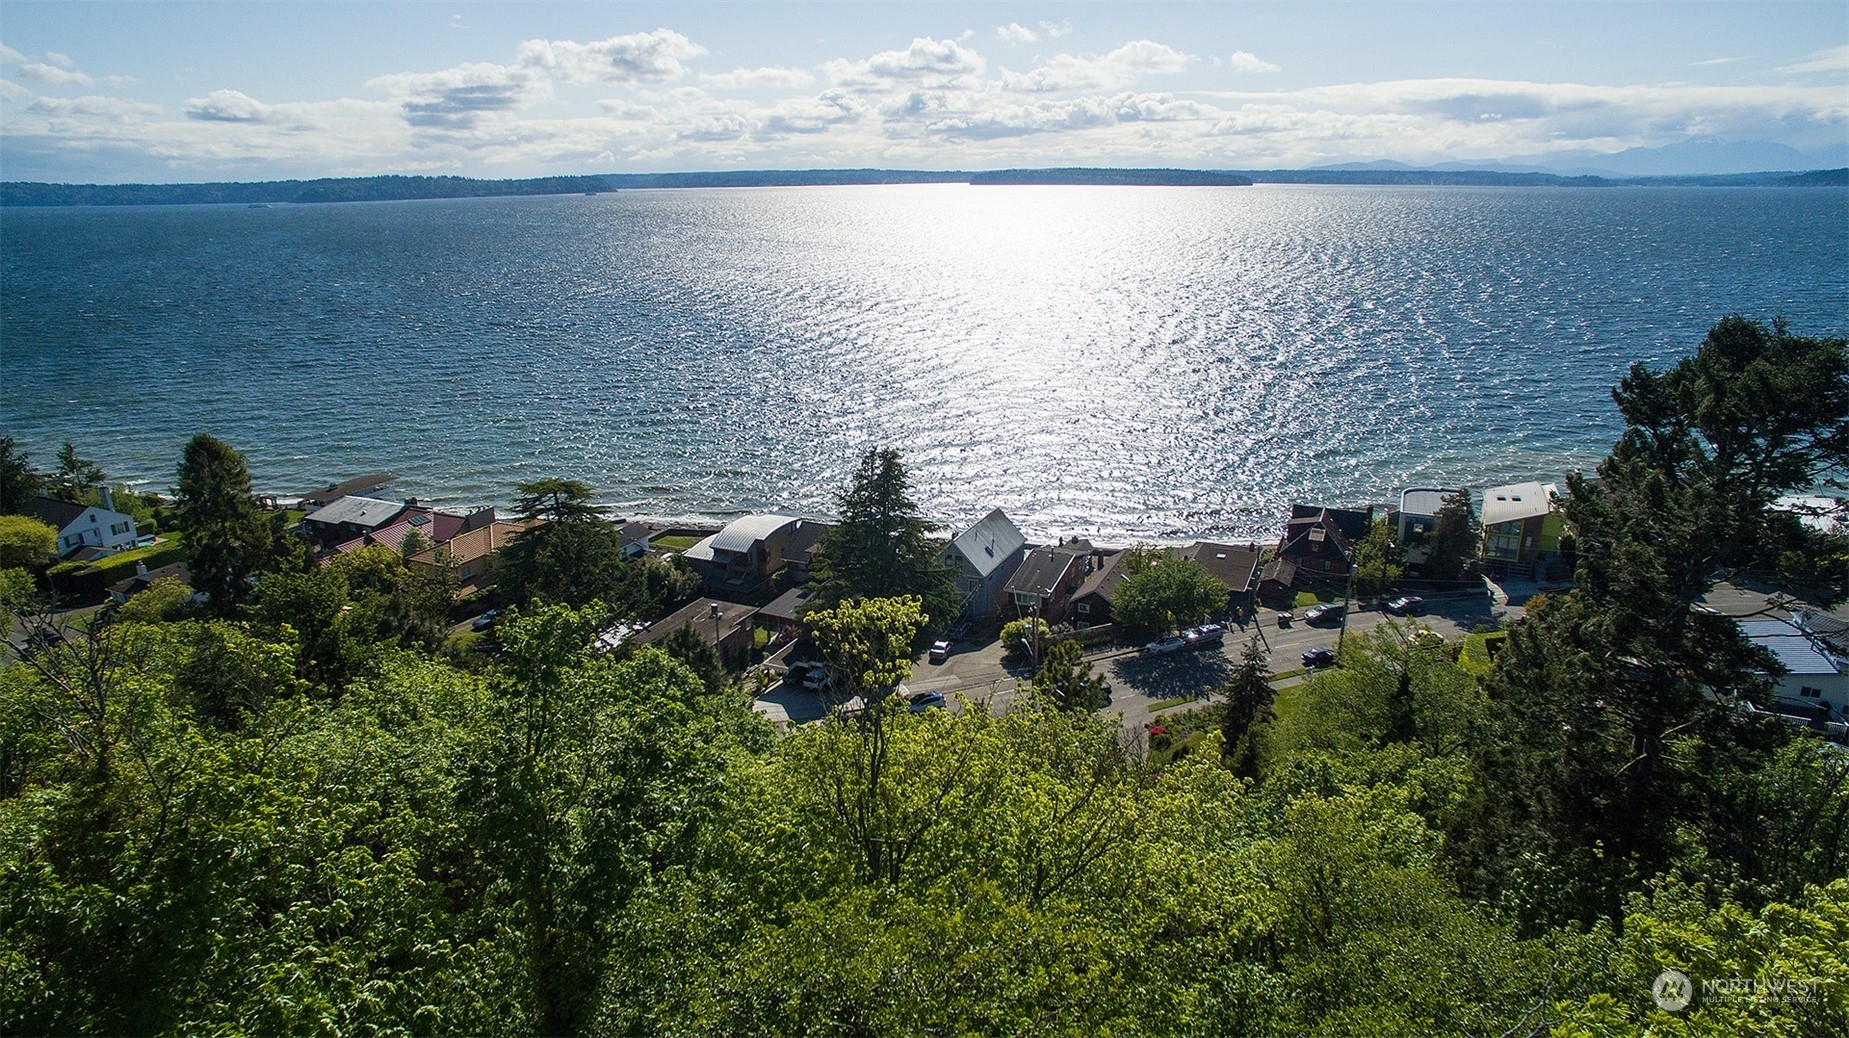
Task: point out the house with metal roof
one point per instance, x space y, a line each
1521 524
1417 519
744 554
1816 679
982 558
348 518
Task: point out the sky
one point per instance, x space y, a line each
165 92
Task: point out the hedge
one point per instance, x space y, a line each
92 579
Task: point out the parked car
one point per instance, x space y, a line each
1328 612
1205 636
1409 605
940 651
919 702
1323 657
486 620
1163 646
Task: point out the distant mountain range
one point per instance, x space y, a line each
403 188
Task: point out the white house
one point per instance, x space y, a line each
1815 676
81 526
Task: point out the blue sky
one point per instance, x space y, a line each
165 92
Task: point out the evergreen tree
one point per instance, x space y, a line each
1455 538
572 557
1377 569
1067 680
1248 704
881 547
19 484
76 477
227 538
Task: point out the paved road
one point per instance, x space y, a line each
1139 683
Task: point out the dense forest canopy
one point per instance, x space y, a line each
306 811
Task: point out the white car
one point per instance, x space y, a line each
1163 646
940 651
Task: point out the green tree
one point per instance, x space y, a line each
685 644
76 477
27 543
1169 594
1455 538
19 483
1067 681
227 538
1618 696
1377 567
882 546
867 642
1248 704
572 557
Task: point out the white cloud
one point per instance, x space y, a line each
769 78
12 57
226 106
1054 30
714 128
1015 32
1715 61
643 57
11 91
927 60
1119 68
1246 61
833 108
1835 59
52 75
458 98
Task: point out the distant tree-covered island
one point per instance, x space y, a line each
410 188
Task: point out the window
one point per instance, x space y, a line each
1083 608
1809 693
119 528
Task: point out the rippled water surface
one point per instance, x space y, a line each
1120 362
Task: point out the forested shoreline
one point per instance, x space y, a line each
409 188
302 807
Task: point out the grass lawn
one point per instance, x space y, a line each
1164 704
1476 656
679 542
1306 599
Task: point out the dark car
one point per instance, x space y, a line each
1324 657
486 620
1328 612
1410 605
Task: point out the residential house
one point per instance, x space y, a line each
634 538
471 552
981 561
1047 580
1816 679
1417 520
432 526
1091 603
122 590
85 526
1321 540
742 556
799 552
1275 581
1236 566
350 518
726 626
1521 524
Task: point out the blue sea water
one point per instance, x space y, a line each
1116 362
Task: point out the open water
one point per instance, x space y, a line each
1117 362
